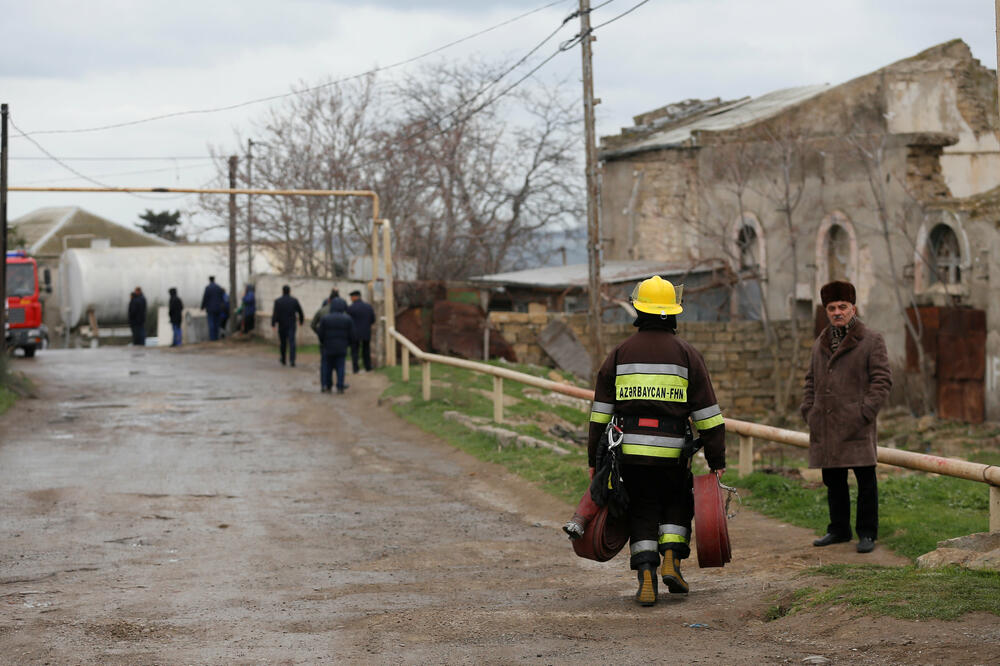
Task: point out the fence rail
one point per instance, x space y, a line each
747 431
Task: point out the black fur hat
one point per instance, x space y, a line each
837 291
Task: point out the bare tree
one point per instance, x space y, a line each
896 222
468 180
494 175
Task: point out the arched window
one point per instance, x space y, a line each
944 256
747 245
838 253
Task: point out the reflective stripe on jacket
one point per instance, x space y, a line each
657 375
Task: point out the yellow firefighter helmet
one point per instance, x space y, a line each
657 296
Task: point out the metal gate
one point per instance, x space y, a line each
955 340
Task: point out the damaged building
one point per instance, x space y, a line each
886 180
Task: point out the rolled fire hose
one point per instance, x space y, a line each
711 532
603 537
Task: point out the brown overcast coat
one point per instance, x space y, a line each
844 392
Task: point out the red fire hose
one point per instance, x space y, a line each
603 537
711 533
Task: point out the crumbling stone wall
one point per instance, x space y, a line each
737 354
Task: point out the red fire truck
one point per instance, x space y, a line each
24 327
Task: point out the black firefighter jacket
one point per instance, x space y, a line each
657 381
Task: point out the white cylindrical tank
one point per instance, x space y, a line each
103 279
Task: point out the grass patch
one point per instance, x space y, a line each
7 399
908 593
563 476
915 512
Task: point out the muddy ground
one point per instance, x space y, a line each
206 505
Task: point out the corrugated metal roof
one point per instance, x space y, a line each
578 275
741 113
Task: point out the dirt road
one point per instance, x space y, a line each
206 505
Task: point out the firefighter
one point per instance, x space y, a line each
655 386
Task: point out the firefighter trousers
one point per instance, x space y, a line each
660 509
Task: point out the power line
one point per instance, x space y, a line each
271 98
612 20
68 167
565 46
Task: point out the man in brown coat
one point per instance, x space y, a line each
847 382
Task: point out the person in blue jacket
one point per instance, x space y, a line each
363 316
213 302
249 309
336 335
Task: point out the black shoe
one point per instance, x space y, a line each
340 390
866 545
292 364
282 361
828 539
324 389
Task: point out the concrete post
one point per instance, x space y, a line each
746 455
426 379
994 509
406 364
498 399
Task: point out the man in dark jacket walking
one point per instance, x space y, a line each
284 315
212 302
651 385
137 317
175 308
363 316
336 334
848 380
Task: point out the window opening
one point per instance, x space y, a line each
945 257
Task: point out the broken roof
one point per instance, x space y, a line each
740 113
676 125
577 275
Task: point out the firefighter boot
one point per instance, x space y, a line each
671 572
646 594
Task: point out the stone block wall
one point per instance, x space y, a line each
737 353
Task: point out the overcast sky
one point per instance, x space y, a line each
70 65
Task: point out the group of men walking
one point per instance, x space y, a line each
654 393
340 328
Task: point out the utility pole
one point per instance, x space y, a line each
3 223
997 16
250 208
233 160
593 227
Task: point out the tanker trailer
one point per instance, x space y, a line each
101 279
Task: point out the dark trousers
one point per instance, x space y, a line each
328 364
366 354
138 335
213 324
286 339
660 503
838 497
177 335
